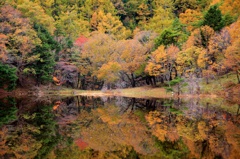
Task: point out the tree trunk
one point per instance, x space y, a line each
79 81
133 81
161 79
154 81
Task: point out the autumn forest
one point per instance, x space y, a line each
119 79
94 44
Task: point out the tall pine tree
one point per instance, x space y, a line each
213 18
44 66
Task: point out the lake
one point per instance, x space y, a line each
118 127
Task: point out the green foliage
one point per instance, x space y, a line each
213 18
227 19
176 111
8 110
8 76
176 34
175 81
44 66
167 37
168 103
140 70
171 150
169 89
48 135
140 114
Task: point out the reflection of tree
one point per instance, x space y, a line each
109 131
33 135
122 128
208 132
8 111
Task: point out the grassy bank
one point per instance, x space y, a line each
138 92
214 88
219 84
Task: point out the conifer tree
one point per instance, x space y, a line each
213 18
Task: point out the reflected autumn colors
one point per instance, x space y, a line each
107 127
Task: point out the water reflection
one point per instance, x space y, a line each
87 127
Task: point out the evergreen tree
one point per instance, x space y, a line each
176 34
213 18
8 76
44 66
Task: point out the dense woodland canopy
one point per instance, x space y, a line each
90 44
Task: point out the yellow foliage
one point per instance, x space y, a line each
37 14
200 37
190 18
161 20
109 72
231 6
157 62
109 24
130 54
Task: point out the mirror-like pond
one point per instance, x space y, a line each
87 127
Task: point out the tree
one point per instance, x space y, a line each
162 19
191 18
80 41
176 34
108 24
8 77
232 56
213 18
187 61
146 38
200 37
162 62
21 40
167 37
91 6
3 47
109 72
71 24
96 52
131 8
183 5
44 66
165 4
231 7
37 14
158 62
218 44
130 54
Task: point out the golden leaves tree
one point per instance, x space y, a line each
131 54
162 19
108 24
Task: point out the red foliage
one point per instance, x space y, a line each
80 41
81 144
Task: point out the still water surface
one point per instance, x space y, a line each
88 127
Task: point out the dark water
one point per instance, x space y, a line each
87 127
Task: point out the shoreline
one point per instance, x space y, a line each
137 92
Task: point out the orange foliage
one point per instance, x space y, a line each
190 18
231 6
200 37
157 63
56 105
81 144
80 41
3 52
56 80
